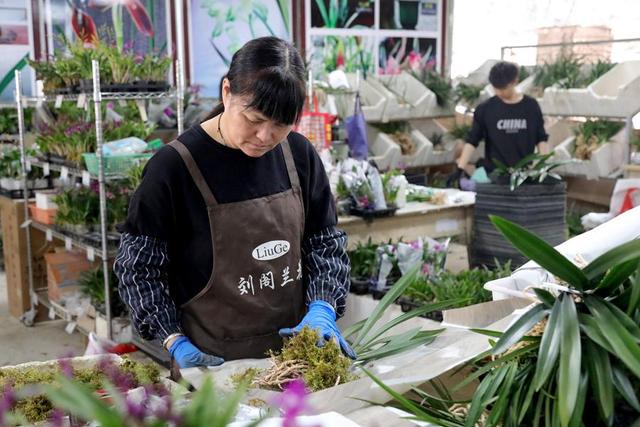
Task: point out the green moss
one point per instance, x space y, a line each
327 366
38 408
245 377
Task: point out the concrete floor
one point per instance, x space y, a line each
44 341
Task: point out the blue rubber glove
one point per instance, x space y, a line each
188 356
321 317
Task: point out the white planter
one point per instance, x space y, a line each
383 151
44 199
447 151
419 157
373 101
560 131
609 157
480 76
615 94
406 97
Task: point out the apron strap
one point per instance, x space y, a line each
291 165
194 170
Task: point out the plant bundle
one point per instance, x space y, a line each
467 94
364 260
91 284
10 166
564 72
437 84
390 185
9 120
399 132
591 134
460 131
532 168
571 360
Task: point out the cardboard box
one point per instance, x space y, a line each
63 272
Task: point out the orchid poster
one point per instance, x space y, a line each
134 25
219 28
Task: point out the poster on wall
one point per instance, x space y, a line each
412 15
343 14
15 47
219 28
351 53
140 26
406 53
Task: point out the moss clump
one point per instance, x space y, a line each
38 408
326 366
245 377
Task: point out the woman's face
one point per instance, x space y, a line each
247 129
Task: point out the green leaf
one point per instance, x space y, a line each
486 393
520 328
618 255
618 274
626 321
347 332
570 359
622 342
590 327
506 390
408 405
625 388
394 293
323 12
599 367
634 298
541 252
577 419
549 347
545 296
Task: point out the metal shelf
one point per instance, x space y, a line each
72 171
59 310
105 96
74 241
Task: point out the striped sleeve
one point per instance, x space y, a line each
141 270
327 268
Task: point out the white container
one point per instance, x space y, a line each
609 157
614 94
373 101
559 132
383 151
420 155
406 97
44 199
479 76
443 153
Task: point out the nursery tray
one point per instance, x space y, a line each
18 194
59 160
95 239
372 213
136 87
407 304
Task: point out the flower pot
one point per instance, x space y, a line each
538 207
360 285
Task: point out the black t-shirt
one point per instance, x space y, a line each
510 131
168 205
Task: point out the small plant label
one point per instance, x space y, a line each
49 235
34 296
64 173
67 243
142 109
82 100
122 102
27 165
46 170
58 102
52 313
71 326
86 178
91 254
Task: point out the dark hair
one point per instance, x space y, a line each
502 74
270 71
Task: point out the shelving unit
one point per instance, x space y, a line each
104 251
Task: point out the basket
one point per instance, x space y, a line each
43 216
115 164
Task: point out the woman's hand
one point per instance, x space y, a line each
187 355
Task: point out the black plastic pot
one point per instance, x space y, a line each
360 285
369 214
407 305
540 208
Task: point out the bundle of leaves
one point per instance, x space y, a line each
460 131
91 284
571 360
77 206
437 84
591 134
364 259
564 72
531 169
10 164
399 132
467 94
466 286
597 70
35 406
300 357
389 186
9 120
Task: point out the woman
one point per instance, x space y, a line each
231 236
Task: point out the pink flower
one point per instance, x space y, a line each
415 60
292 402
426 269
392 66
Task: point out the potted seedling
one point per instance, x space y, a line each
11 183
151 73
78 210
364 266
467 94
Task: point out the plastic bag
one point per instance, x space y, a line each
356 126
129 145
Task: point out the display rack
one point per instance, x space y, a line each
103 251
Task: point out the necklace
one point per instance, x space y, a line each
220 131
